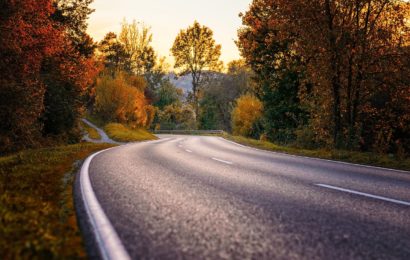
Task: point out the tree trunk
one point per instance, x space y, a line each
335 77
337 126
349 105
195 83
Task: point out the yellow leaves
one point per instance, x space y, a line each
247 112
194 49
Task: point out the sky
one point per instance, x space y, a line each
167 17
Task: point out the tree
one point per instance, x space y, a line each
69 74
278 70
115 57
218 95
73 15
346 44
27 38
195 51
67 78
136 39
44 71
352 53
156 79
167 94
246 116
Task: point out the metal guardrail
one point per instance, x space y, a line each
190 132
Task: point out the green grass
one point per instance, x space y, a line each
338 155
37 217
92 132
121 133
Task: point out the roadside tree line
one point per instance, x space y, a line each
46 67
331 73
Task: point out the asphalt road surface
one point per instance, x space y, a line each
198 197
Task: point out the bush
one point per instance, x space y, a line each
122 100
246 116
176 117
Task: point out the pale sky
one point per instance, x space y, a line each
167 17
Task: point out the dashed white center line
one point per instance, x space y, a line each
364 194
222 161
188 151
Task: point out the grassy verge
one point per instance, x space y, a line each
37 218
92 133
121 133
338 155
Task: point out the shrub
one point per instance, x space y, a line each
246 115
176 116
122 100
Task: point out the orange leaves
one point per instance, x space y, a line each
122 100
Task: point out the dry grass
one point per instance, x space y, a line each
121 133
338 155
37 218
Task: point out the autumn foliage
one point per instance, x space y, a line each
121 99
351 59
27 38
246 114
43 74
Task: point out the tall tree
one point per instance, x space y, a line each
195 51
136 39
347 44
68 74
277 70
352 51
115 57
27 38
73 15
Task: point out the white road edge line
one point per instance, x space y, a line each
222 161
188 151
108 241
364 194
318 159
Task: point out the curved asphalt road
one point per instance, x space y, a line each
207 198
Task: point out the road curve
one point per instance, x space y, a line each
192 197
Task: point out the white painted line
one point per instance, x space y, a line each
318 159
364 194
108 241
188 151
222 161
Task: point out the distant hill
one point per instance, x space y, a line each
185 82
